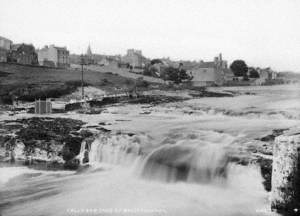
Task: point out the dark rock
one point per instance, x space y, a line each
73 106
271 137
85 133
55 138
85 157
71 147
103 129
211 94
72 164
266 172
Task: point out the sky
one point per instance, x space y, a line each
264 33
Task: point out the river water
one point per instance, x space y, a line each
175 160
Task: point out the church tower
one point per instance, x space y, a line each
89 55
89 51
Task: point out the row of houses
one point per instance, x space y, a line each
51 56
204 73
212 73
218 73
133 59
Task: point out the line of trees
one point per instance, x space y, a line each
240 69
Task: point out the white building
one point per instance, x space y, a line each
5 43
54 56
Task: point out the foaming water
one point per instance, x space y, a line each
118 192
181 167
115 149
191 162
8 173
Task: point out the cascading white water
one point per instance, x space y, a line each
114 149
82 152
188 160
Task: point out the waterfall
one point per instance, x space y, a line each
82 154
189 159
115 149
190 162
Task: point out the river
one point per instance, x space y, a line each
183 169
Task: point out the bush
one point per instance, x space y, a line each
253 73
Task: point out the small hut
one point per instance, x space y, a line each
43 106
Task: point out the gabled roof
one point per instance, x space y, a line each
207 65
203 65
3 38
61 48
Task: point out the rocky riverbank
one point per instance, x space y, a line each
43 142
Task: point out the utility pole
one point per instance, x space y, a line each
82 88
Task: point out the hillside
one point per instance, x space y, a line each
29 83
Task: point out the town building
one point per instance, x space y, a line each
22 54
210 73
5 45
54 56
265 75
3 55
135 58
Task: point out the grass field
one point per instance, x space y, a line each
29 83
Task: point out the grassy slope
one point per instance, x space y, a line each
36 81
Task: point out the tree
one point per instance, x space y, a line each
239 68
253 73
175 74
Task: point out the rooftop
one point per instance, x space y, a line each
3 38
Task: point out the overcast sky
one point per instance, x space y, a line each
262 32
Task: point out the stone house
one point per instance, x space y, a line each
57 56
265 74
3 55
209 73
135 58
22 54
5 45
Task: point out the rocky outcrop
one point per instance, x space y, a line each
54 142
285 197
